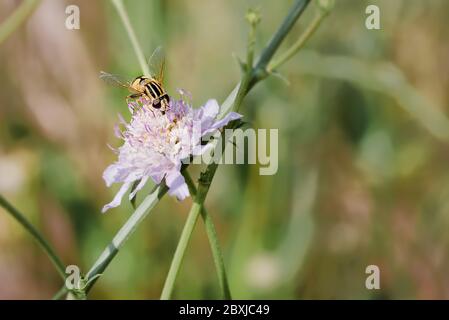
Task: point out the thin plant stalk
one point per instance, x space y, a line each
180 251
320 14
17 18
60 294
20 218
124 233
132 35
119 239
214 243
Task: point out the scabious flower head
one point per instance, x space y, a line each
156 143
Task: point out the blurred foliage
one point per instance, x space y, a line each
363 151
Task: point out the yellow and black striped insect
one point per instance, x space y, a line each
148 87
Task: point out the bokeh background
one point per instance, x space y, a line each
363 151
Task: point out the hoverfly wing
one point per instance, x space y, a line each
156 64
114 80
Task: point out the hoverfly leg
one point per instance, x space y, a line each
164 103
132 102
134 96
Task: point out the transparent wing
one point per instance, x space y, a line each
114 80
156 63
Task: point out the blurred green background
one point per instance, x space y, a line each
363 151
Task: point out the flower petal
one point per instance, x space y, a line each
141 184
211 108
110 174
221 123
207 114
157 172
177 185
118 197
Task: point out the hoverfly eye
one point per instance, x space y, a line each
156 104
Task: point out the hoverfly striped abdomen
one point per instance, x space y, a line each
153 90
160 98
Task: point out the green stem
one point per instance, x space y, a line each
132 35
216 254
20 218
60 294
16 19
120 238
260 70
180 251
214 243
253 18
299 44
192 218
295 12
123 234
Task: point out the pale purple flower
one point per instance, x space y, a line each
155 143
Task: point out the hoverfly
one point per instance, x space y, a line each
143 86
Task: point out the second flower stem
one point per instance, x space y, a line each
180 251
213 241
17 18
299 44
131 35
20 218
195 210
